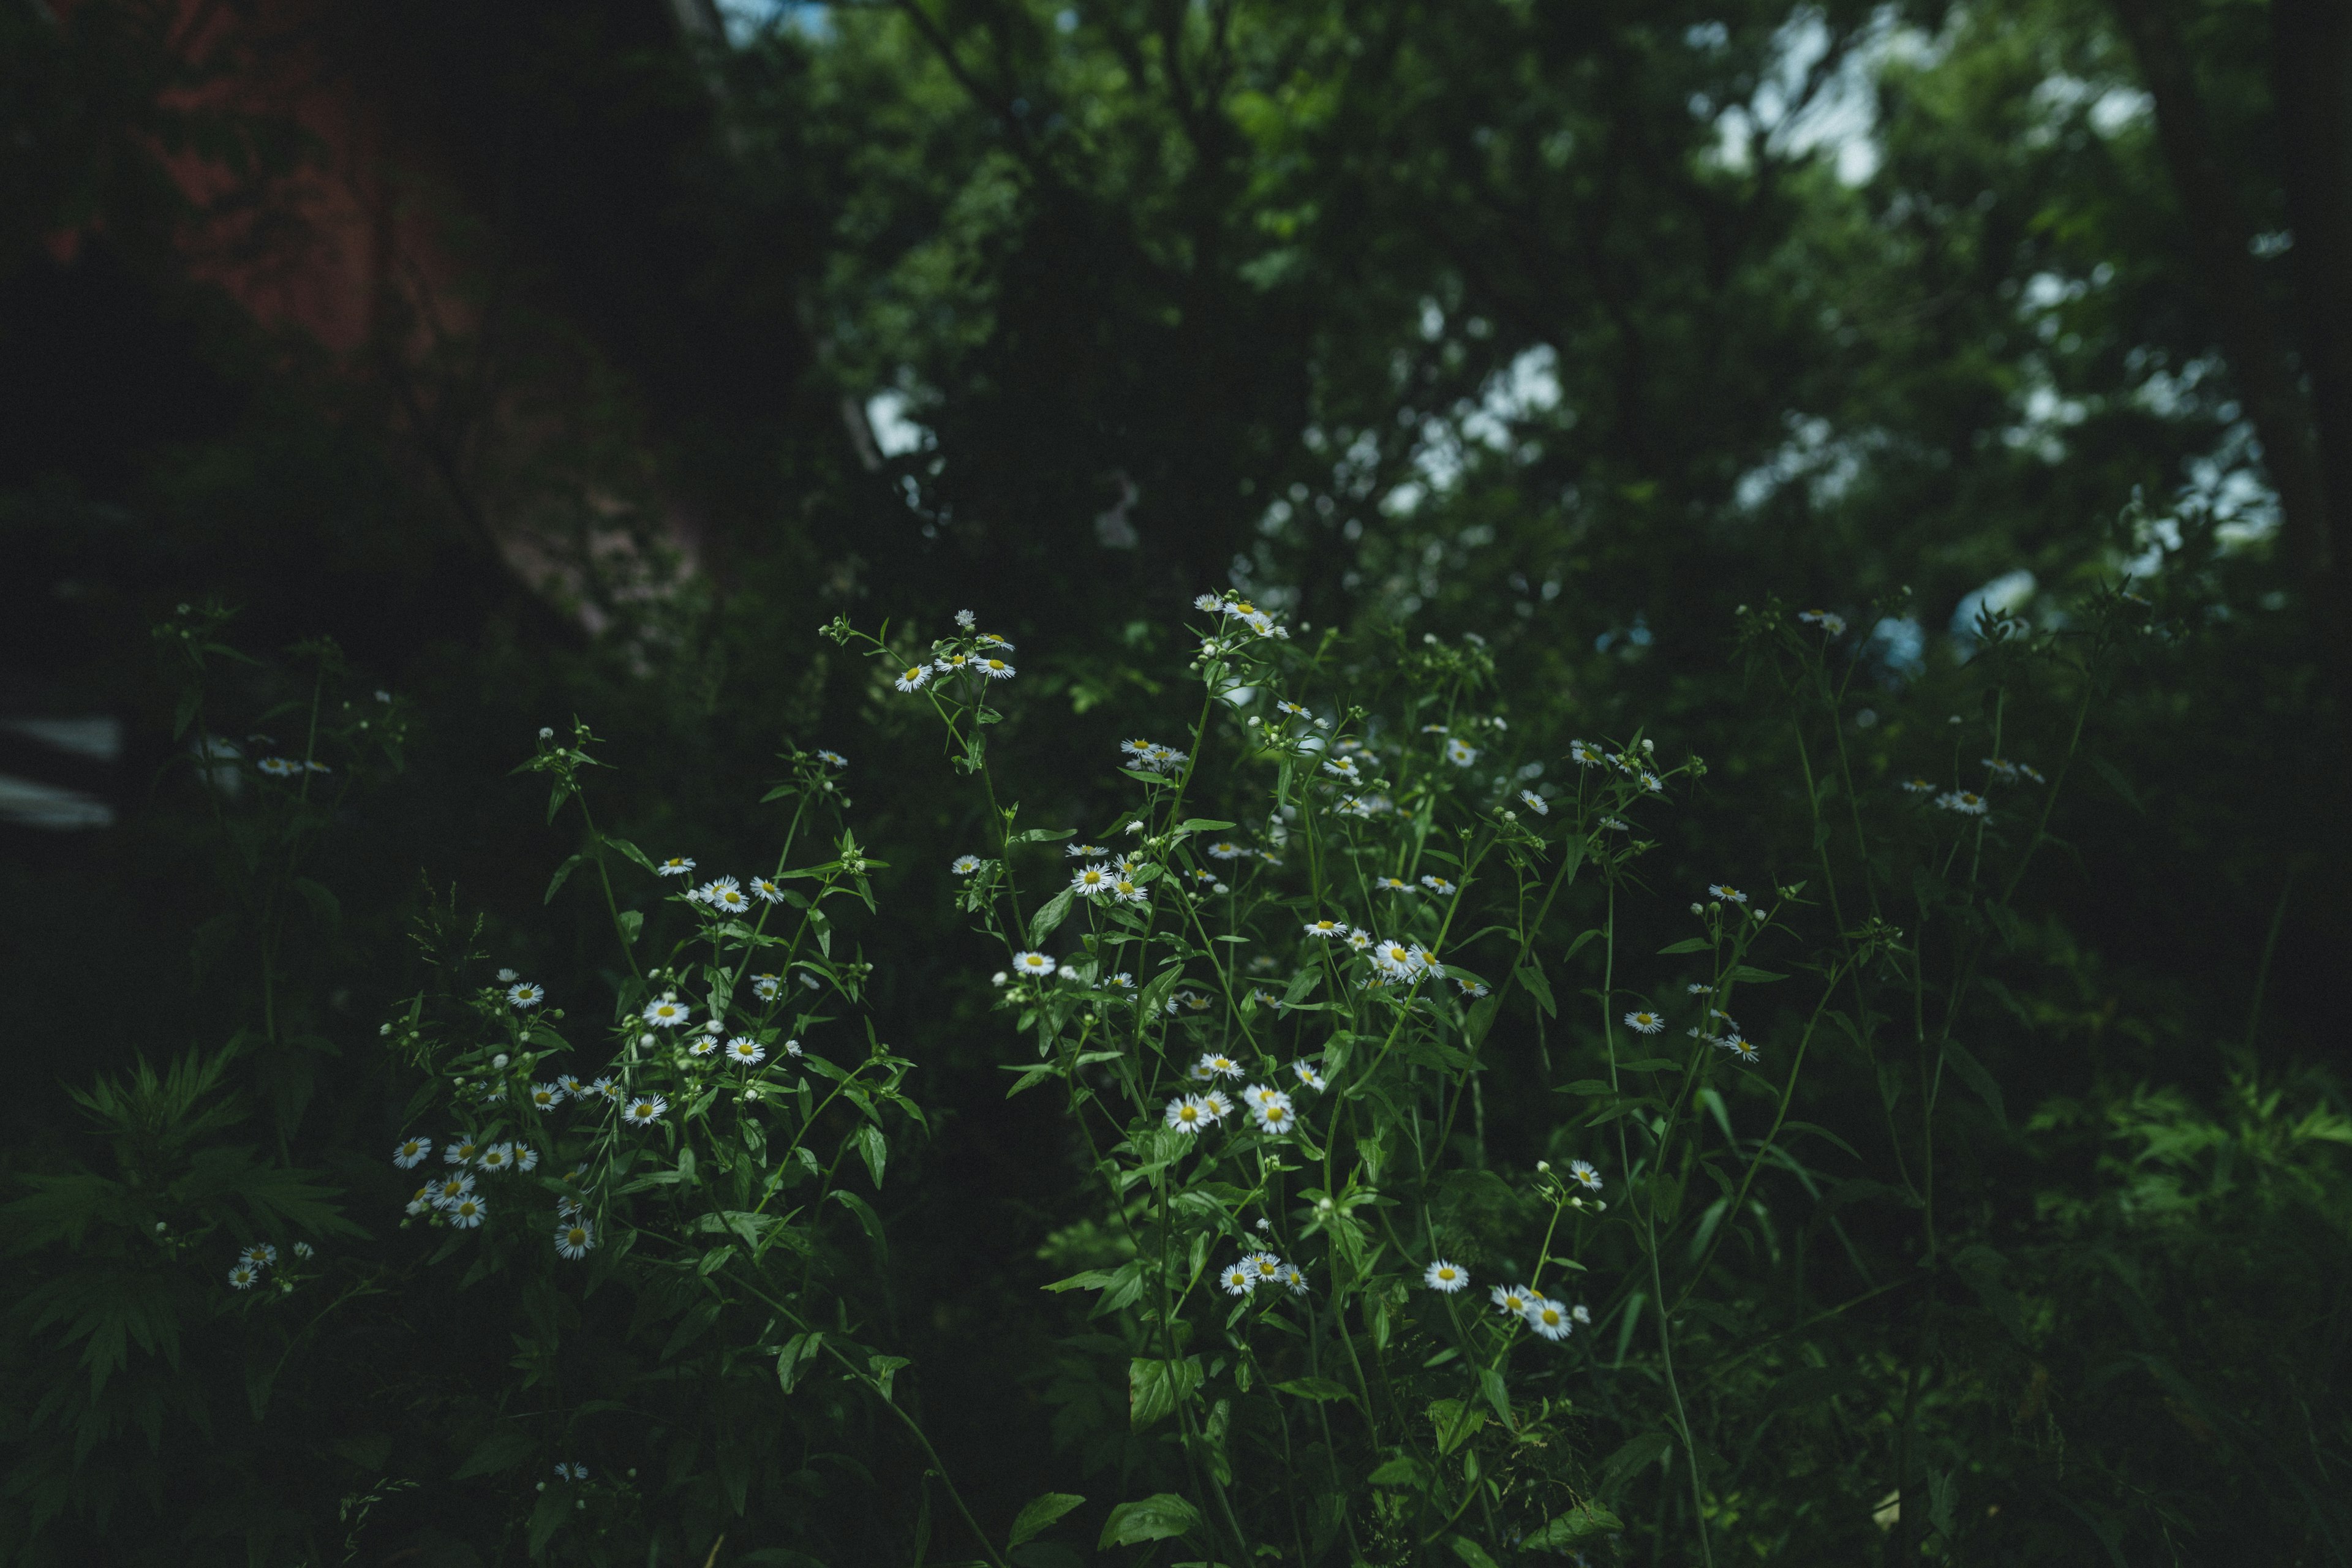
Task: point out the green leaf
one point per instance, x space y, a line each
1041 1512
2118 783
501 1450
1202 825
1687 944
1156 1518
1743 972
865 1216
1651 1064
1404 1471
547 1514
1154 1387
631 922
1588 1086
1318 1388
876 1149
632 851
1057 910
1471 1553
563 875
325 907
1532 977
1811 1385
1972 1073
1042 835
1647 1449
1562 1533
1491 1382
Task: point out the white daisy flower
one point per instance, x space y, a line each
1642 1021
412 1152
1294 709
1726 893
1392 885
261 1255
792 1047
449 1189
526 995
1968 802
965 865
745 1051
1918 786
467 1213
1308 1075
526 1158
1445 1278
767 987
914 677
421 1201
665 1014
1535 802
304 1249
1127 890
995 669
676 866
1471 988
990 639
1510 1299
1437 884
496 1157
1547 1317
1273 1114
1190 1113
1584 754
1460 753
1829 621
1093 882
1237 1280
1327 929
461 1153
833 760
953 664
766 890
1615 825
1210 603
1226 850
1343 768
644 1110
1395 957
1035 965
727 893
1359 939
1294 1278
1085 851
575 1241
278 767
1654 783
572 1473
1265 1267
966 620
1122 980
507 977
1744 1048
242 1277
1584 1174
573 1086
1219 1102
1215 1064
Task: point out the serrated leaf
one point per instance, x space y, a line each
1039 1515
1562 1533
1155 1387
1156 1518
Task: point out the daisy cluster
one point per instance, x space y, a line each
258 1259
1975 803
975 654
1269 1109
1585 754
1265 1269
1552 1320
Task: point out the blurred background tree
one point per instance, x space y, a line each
584 357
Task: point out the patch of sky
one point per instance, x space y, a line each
746 20
1799 109
2005 594
1898 645
1827 462
896 434
1521 394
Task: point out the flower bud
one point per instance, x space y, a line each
500 1060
